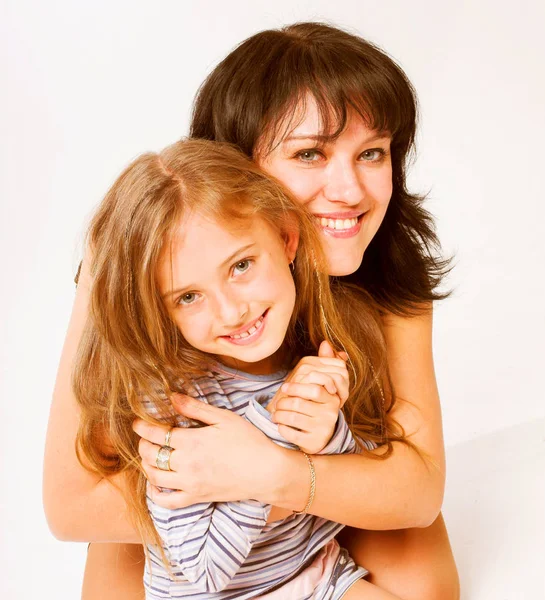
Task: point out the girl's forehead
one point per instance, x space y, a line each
208 236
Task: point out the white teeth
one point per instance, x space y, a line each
338 223
250 331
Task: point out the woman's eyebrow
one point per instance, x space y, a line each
322 139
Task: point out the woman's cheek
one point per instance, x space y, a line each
302 183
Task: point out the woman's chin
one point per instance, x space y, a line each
341 266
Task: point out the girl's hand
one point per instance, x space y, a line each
306 407
209 464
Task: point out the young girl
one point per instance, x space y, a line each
194 281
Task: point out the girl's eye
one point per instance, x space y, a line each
242 265
187 298
373 155
308 156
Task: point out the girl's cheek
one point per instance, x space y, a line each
193 327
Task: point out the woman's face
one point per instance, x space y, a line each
346 183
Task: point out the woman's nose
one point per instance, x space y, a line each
344 183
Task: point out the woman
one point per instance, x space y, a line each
332 118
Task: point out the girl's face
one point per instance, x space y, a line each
230 292
346 183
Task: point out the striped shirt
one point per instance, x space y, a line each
225 550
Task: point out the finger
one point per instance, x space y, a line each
310 391
299 438
151 432
294 419
198 410
314 377
321 360
341 382
299 405
165 479
148 453
326 380
326 350
343 356
171 500
300 373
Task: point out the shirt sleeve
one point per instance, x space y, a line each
207 543
342 441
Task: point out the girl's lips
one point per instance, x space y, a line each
258 326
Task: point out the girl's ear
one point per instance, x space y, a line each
290 234
291 243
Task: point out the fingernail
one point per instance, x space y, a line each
285 387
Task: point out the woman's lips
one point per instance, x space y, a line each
340 227
248 335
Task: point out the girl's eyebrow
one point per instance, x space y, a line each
229 259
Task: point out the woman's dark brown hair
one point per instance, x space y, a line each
250 98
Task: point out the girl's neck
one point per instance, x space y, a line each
269 366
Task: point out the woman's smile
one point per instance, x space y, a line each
345 182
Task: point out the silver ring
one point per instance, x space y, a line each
168 436
163 458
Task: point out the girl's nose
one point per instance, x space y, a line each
344 183
232 311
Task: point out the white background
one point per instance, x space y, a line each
87 86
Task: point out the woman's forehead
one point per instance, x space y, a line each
307 120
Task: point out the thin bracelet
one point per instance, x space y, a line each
312 486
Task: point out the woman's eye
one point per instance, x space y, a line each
242 265
308 156
373 155
187 298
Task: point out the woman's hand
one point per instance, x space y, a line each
209 464
306 407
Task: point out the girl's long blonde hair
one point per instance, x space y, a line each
132 349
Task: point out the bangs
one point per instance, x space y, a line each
341 81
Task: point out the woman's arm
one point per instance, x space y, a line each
399 492
114 572
79 505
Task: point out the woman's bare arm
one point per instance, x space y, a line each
399 492
396 493
79 505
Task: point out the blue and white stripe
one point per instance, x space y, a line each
227 550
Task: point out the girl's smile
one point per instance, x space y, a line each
248 334
237 308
